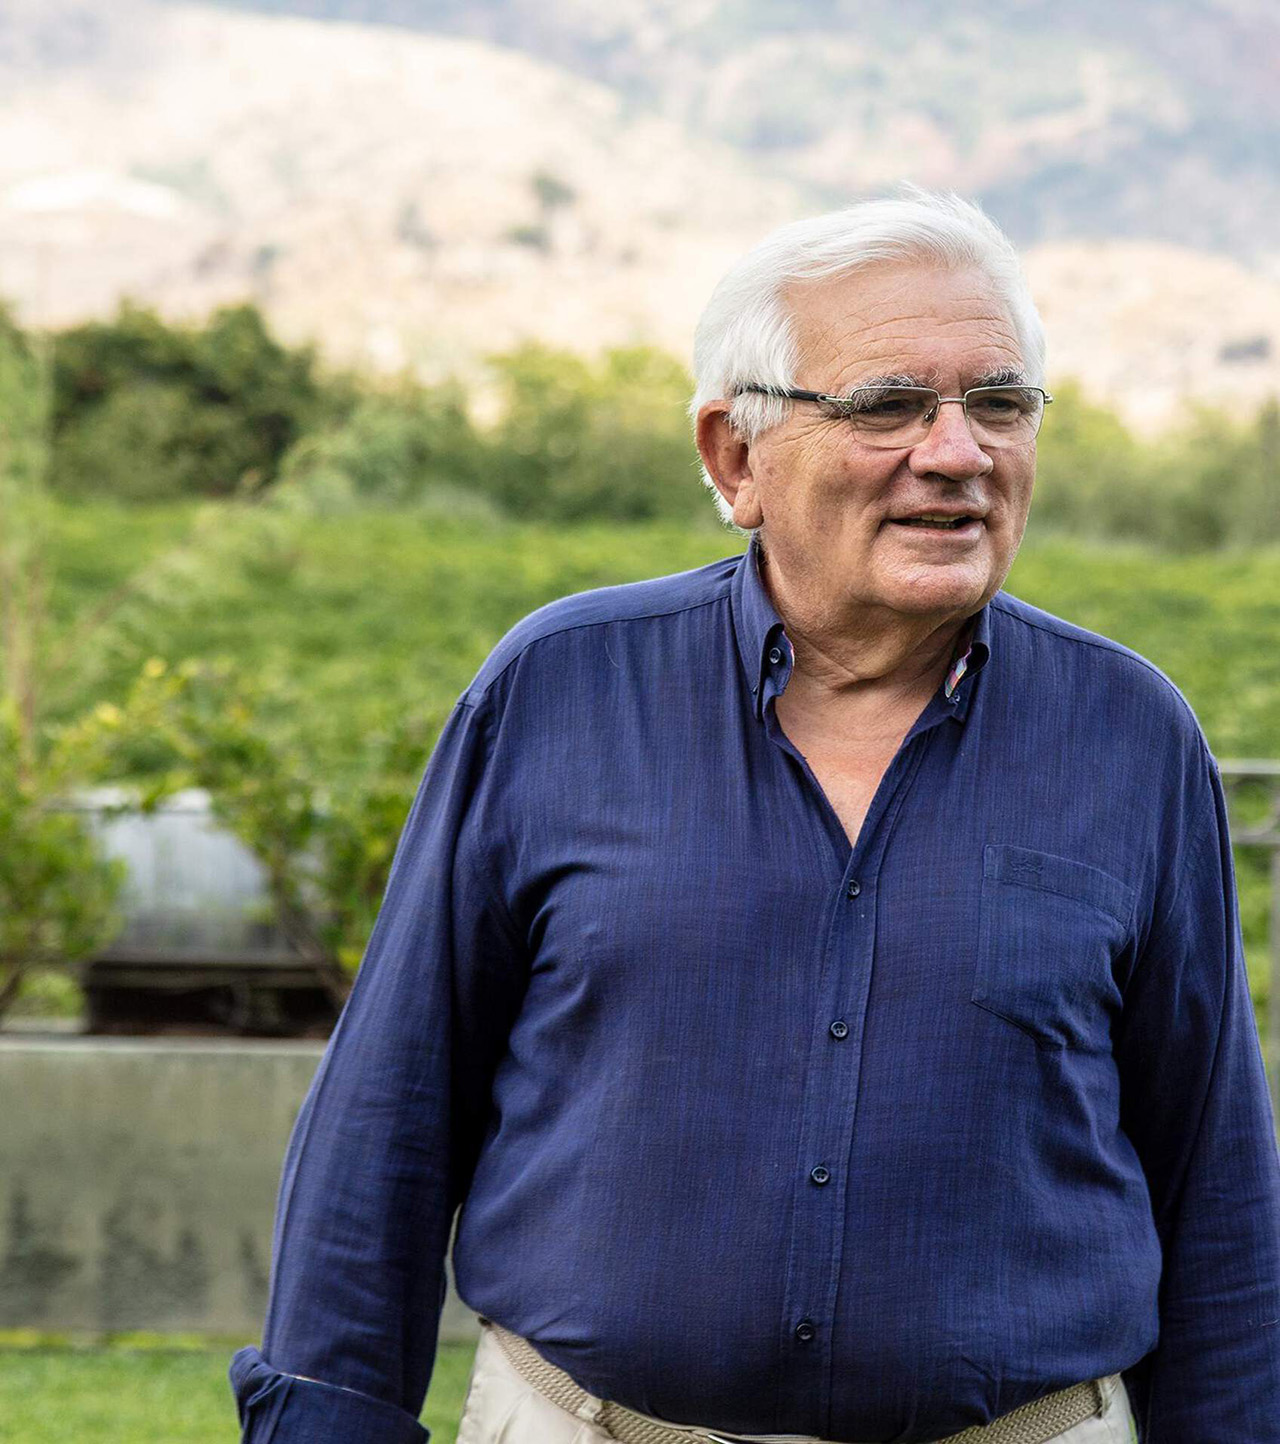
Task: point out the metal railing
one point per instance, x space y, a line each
1252 787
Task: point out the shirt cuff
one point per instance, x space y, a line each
278 1408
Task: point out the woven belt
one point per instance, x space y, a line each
1034 1423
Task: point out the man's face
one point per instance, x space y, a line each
831 508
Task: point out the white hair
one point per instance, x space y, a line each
746 335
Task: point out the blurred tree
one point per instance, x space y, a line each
392 449
1093 477
24 448
145 409
1224 480
56 894
1210 483
607 439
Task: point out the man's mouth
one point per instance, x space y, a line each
936 521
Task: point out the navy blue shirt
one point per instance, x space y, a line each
755 1130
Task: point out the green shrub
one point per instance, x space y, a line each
608 439
144 409
1208 484
1092 475
57 894
395 449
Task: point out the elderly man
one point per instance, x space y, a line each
815 976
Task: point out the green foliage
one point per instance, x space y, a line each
1225 474
23 412
607 439
24 450
1211 484
396 448
145 409
364 616
57 896
24 459
532 237
325 838
1092 475
552 192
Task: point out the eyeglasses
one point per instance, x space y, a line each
900 416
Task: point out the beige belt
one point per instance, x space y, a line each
1034 1423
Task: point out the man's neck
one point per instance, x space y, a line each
872 656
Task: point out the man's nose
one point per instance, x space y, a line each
949 449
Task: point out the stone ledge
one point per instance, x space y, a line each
140 1179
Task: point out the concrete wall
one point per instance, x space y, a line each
138 1181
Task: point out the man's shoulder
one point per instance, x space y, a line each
637 602
1073 654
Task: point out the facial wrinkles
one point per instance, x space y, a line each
845 337
937 355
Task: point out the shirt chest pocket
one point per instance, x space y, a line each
1050 930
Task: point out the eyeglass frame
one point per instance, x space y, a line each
794 394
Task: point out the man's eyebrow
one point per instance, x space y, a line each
1002 376
899 378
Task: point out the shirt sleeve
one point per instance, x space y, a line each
387 1138
1194 1102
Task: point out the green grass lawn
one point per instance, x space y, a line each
156 1396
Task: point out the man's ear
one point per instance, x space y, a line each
728 461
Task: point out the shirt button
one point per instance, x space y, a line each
805 1331
820 1175
775 655
839 1029
854 888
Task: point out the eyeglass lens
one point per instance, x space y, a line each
902 415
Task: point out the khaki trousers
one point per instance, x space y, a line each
502 1409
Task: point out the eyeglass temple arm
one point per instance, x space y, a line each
791 394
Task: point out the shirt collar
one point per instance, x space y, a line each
767 656
972 653
759 631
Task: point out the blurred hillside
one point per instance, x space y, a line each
1155 118
421 182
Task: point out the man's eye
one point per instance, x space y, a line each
1007 404
883 404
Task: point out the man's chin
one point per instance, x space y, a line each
929 588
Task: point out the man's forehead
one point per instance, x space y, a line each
916 323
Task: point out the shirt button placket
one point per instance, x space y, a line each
820 1176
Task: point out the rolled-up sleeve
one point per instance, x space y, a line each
1196 1107
386 1141
276 1406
